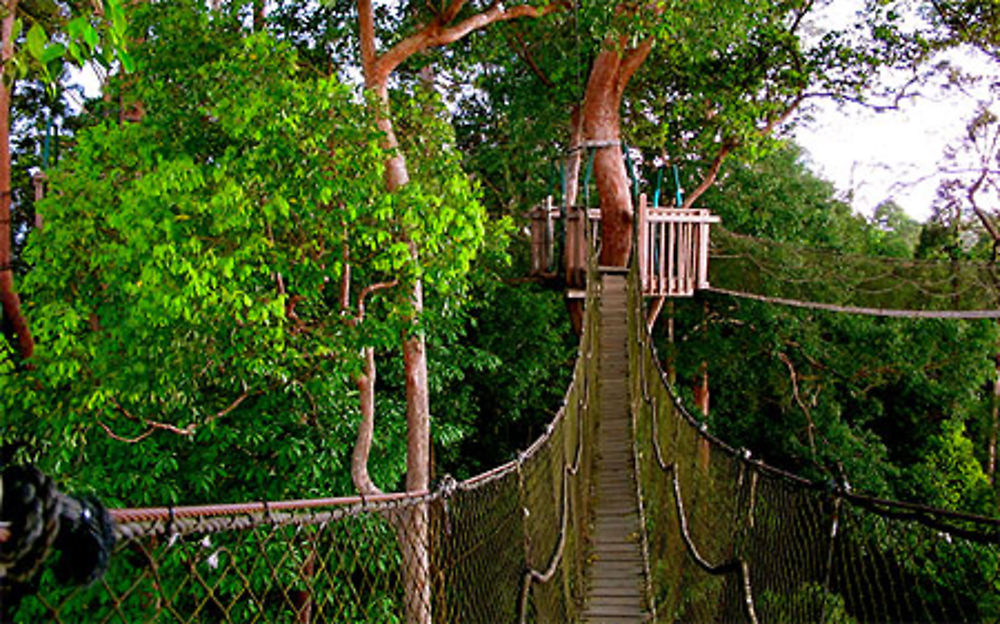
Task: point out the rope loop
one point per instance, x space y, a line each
28 503
41 519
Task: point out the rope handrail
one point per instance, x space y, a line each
868 501
819 551
884 312
734 565
928 262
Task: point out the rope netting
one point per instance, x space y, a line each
507 545
788 274
733 539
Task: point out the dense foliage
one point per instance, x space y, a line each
187 289
899 408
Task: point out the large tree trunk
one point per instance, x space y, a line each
9 300
446 28
414 533
609 76
602 121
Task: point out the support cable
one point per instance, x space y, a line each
885 312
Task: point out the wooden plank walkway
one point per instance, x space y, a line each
616 576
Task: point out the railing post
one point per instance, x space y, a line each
703 251
537 241
550 235
644 239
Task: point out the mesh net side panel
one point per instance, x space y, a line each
763 544
780 270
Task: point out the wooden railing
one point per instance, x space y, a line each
672 246
673 250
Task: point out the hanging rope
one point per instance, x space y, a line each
792 275
829 307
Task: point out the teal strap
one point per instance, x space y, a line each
586 177
659 186
631 171
680 191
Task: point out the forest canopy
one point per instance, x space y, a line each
269 203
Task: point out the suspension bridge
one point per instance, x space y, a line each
627 509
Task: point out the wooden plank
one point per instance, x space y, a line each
703 256
666 256
615 577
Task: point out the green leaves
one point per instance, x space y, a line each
36 40
50 43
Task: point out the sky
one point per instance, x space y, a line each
873 156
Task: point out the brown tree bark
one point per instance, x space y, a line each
9 300
609 75
377 69
365 383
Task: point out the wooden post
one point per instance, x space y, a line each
537 240
643 246
550 242
703 252
667 243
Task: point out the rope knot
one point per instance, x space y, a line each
28 503
41 518
447 486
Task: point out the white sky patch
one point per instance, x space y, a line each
876 156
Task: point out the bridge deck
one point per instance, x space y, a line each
615 578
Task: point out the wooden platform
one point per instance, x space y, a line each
616 576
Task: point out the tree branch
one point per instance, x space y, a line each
435 34
783 117
366 428
366 33
811 426
631 63
713 173
524 53
983 217
368 290
115 436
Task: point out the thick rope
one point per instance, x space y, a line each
885 312
531 575
733 565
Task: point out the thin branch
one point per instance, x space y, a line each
369 290
115 436
524 52
811 428
227 410
983 218
186 431
798 18
713 173
783 117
